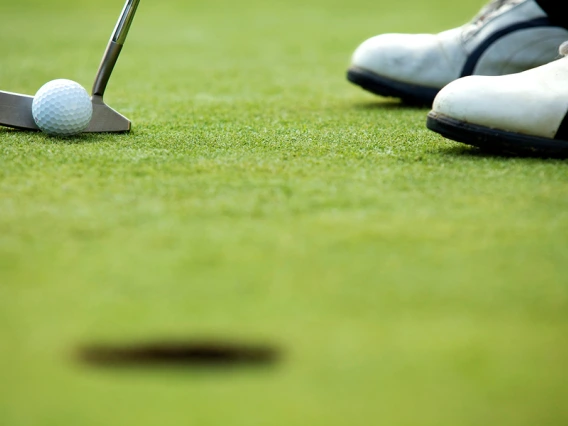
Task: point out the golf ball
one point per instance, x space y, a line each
62 108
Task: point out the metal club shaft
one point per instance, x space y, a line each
114 47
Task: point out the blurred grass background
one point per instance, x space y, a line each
409 280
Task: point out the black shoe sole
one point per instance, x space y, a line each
408 93
498 141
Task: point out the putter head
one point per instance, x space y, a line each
16 112
105 119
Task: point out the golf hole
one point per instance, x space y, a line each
213 354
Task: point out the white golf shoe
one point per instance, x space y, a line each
522 114
506 36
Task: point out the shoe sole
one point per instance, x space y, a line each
408 93
495 140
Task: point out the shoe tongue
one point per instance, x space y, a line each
488 12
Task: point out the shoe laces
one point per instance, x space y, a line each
491 10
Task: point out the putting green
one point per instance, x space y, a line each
404 279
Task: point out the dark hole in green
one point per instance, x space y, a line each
189 353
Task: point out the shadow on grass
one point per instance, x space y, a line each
390 105
469 151
82 138
193 354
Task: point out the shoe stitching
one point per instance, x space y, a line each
471 63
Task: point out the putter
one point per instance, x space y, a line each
16 109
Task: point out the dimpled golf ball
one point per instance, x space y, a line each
62 108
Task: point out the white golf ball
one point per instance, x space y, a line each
62 107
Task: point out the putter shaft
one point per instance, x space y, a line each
114 47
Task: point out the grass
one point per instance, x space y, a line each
407 279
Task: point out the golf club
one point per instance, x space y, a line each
16 109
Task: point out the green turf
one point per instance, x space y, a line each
408 280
